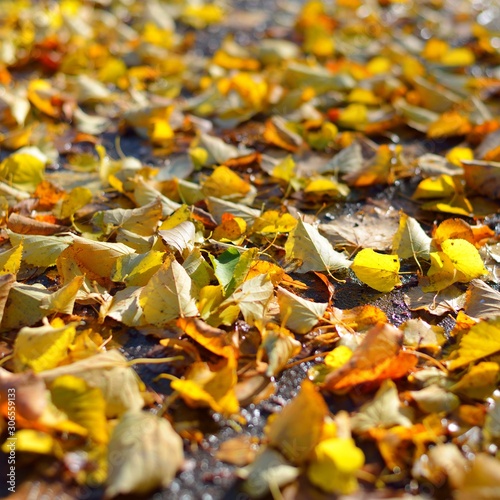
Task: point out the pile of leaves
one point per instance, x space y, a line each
266 162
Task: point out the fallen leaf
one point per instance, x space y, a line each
287 432
313 251
174 301
378 271
298 314
144 454
384 411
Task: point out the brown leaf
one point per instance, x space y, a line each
26 225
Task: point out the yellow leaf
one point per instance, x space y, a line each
109 372
435 49
335 464
10 261
25 171
377 270
482 340
441 274
43 347
205 388
167 296
272 221
435 187
199 16
465 258
363 96
457 154
95 259
71 202
33 441
379 65
285 169
40 95
338 357
479 382
83 404
354 116
460 56
63 300
325 185
136 270
224 183
112 71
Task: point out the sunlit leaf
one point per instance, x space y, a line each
168 295
377 358
465 258
25 171
41 251
252 297
43 347
180 237
313 251
481 341
63 300
202 387
224 183
479 382
335 464
213 339
108 371
84 405
298 314
377 270
411 240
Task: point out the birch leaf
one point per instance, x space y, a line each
384 411
411 240
313 251
379 271
43 347
300 315
144 454
180 237
108 371
482 340
41 251
63 300
142 221
168 296
252 297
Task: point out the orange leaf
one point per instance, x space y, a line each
212 339
377 358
